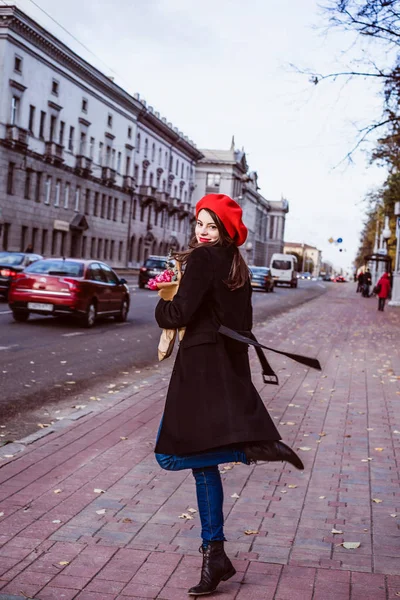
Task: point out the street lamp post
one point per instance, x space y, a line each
395 301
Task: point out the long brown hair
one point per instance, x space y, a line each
239 273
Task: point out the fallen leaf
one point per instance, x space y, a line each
379 449
123 438
192 510
251 532
336 531
304 448
395 431
322 434
127 520
64 562
101 511
283 491
1 514
57 491
322 497
235 495
376 500
43 425
56 521
351 545
290 423
393 515
292 486
79 406
99 491
370 428
185 516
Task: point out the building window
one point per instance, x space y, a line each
14 110
71 138
113 158
213 180
54 236
34 236
119 162
127 165
100 153
17 64
87 202
92 247
109 120
108 156
63 239
84 105
82 144
10 178
77 198
58 191
106 249
103 206
177 167
146 147
61 136
66 195
182 170
120 250
153 152
115 209
130 132
159 156
151 180
109 208
83 252
99 247
55 87
24 233
6 231
166 160
47 190
27 191
138 143
91 148
142 211
39 175
123 212
44 241
136 173
42 124
31 123
96 204
112 250
53 123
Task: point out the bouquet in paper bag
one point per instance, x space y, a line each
168 281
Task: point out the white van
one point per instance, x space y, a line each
284 269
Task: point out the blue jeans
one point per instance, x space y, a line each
210 495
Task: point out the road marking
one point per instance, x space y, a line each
8 347
321 285
5 312
72 334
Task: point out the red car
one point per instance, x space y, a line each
86 289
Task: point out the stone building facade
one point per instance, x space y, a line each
310 257
86 170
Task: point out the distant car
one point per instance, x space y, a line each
306 275
339 279
261 278
86 289
153 265
12 263
327 278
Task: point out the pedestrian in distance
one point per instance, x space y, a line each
213 413
382 288
367 281
360 281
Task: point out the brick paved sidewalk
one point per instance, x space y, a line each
87 514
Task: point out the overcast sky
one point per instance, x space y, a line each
218 68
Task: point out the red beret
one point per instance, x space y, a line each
229 212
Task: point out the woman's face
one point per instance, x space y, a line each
206 228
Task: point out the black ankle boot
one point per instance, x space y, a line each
272 451
216 568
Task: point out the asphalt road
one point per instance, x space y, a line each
48 364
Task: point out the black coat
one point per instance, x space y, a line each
211 400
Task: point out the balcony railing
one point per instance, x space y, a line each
108 175
128 182
53 152
83 163
16 136
147 190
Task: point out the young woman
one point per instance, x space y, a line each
213 413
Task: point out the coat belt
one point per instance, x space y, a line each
269 376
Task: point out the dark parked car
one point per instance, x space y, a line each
12 263
261 278
86 289
153 265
